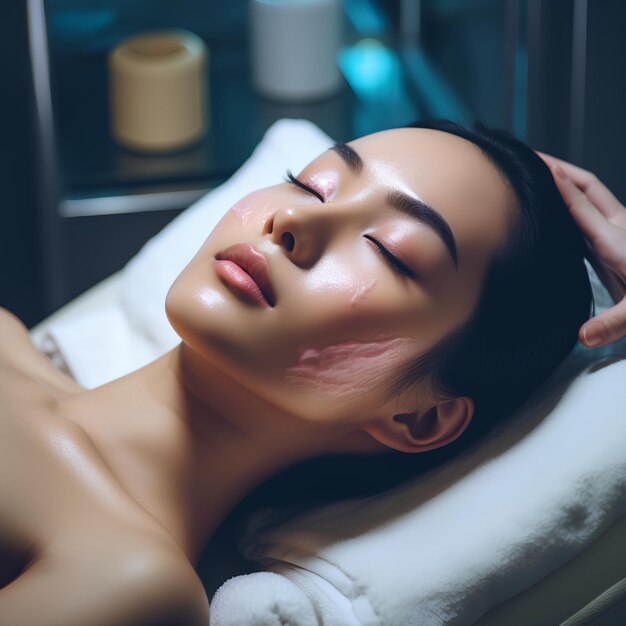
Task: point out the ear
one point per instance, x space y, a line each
421 431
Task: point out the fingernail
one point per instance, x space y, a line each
593 334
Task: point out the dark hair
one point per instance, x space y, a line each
535 296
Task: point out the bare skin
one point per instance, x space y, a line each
75 547
114 492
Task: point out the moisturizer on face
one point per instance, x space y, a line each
361 290
347 367
252 209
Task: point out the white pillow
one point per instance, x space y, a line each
458 540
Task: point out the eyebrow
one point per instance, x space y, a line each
417 210
350 156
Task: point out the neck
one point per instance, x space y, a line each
188 442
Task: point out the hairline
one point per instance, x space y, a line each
438 352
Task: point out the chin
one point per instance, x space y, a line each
172 310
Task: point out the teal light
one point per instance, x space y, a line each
287 3
375 75
435 92
84 21
520 110
367 18
372 70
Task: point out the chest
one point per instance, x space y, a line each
54 488
41 452
52 478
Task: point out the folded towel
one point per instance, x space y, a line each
263 599
98 346
456 541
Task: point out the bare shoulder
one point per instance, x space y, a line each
146 576
143 573
123 576
17 351
12 327
15 342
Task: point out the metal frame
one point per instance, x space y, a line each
48 179
511 44
53 205
130 203
578 81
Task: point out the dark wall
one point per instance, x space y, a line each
88 249
20 263
603 142
549 37
579 115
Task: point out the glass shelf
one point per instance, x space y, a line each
434 75
80 36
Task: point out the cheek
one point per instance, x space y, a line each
343 285
360 291
252 209
347 367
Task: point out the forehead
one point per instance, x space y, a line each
452 175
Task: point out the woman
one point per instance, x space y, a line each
407 290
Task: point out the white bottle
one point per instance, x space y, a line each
294 47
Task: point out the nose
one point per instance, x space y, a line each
304 231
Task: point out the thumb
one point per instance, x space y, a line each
605 328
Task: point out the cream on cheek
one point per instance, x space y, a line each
360 291
252 209
347 367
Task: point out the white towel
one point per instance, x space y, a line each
97 347
465 537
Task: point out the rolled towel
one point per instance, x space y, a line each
261 599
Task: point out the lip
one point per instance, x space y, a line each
253 263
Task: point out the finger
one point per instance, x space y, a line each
605 328
590 220
581 177
550 160
590 184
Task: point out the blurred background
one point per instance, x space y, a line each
76 205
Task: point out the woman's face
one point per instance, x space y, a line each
346 314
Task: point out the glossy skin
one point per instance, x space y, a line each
155 460
75 547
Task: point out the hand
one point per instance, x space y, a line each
602 219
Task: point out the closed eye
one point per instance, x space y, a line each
397 265
290 178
